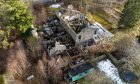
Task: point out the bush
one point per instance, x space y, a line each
1 79
27 33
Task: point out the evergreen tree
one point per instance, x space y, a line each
131 14
14 15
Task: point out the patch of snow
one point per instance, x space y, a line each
110 71
57 5
30 77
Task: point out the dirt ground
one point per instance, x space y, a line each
3 60
96 77
40 12
55 65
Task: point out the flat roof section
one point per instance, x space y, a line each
80 69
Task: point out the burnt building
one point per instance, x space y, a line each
81 29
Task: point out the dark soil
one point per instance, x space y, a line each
118 54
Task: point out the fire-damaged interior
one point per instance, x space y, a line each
54 32
79 23
81 29
60 43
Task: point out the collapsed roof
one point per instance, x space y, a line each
80 28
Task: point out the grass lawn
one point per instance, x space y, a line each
84 81
96 17
54 9
1 79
